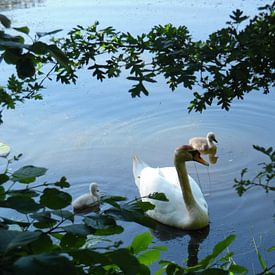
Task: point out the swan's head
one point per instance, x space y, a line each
94 189
187 153
211 137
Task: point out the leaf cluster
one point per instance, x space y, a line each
264 178
46 236
47 233
232 62
28 55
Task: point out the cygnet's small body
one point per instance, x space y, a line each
87 200
204 144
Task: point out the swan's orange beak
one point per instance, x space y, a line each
199 159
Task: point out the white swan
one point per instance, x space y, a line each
186 208
204 144
89 200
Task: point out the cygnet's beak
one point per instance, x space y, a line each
215 140
199 159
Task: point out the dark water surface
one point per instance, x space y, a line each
90 131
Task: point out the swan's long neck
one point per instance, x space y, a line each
188 197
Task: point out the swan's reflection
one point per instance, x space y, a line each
166 233
213 158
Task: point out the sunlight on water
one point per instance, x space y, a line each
89 132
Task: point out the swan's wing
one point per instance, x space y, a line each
151 181
138 166
170 173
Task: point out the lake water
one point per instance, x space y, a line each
90 131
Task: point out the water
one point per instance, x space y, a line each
90 131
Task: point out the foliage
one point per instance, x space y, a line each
45 235
46 232
233 61
209 265
263 178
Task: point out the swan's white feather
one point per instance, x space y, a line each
165 180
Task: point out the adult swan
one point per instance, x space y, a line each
186 208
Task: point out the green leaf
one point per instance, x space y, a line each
4 149
39 47
41 34
141 242
104 225
260 258
148 257
20 223
27 174
78 229
112 200
44 264
213 271
237 269
13 44
23 193
3 178
42 244
272 248
126 261
218 249
22 204
2 193
89 257
59 56
24 29
44 219
55 199
10 240
158 196
5 21
65 214
25 66
70 241
63 183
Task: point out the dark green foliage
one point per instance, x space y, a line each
233 61
46 239
28 174
210 264
264 179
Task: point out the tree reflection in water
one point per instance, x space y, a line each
166 233
18 4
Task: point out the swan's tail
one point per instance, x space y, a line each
138 166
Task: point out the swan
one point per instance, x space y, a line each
204 144
89 200
186 208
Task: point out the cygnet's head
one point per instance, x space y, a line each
211 137
94 189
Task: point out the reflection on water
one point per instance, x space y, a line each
212 158
166 233
19 4
91 130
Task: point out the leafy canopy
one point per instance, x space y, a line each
232 62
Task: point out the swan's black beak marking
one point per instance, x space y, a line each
197 157
215 140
